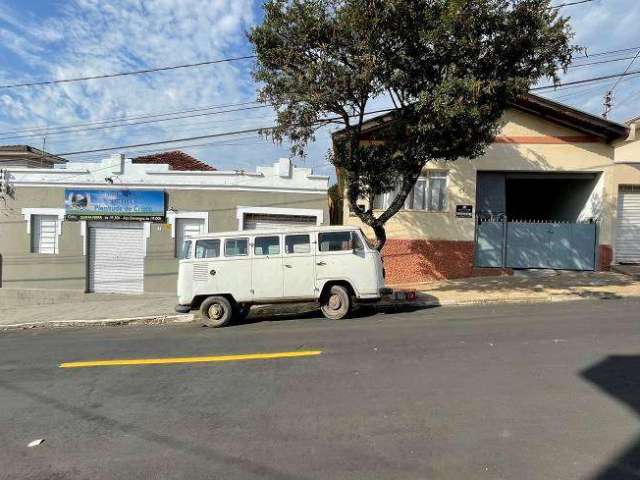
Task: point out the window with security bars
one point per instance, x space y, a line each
429 194
44 234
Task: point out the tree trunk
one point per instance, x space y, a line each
367 217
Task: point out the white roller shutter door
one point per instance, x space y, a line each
265 221
116 263
45 234
628 230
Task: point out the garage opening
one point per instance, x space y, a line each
116 257
537 220
550 198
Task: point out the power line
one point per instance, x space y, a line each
201 137
571 3
625 71
586 80
102 127
600 62
47 129
121 74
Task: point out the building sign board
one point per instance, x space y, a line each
464 211
112 205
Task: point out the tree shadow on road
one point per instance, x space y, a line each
619 377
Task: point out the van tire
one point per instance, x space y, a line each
216 311
336 304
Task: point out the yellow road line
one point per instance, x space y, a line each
168 361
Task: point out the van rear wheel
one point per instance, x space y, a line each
336 303
216 311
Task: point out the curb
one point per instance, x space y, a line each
508 300
107 322
186 318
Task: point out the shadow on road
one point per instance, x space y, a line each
619 376
273 313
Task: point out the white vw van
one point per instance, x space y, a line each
224 273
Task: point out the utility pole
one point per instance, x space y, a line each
607 104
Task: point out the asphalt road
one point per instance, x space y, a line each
512 392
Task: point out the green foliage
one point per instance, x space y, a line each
451 67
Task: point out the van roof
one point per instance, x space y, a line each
277 231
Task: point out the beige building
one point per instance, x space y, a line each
117 225
558 188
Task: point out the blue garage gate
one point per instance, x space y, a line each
535 244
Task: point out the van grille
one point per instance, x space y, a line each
200 272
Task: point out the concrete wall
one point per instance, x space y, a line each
67 269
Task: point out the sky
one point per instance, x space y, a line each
53 39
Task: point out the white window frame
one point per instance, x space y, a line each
172 215
388 197
27 213
241 212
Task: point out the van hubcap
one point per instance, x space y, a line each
335 302
216 311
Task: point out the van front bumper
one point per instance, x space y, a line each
183 308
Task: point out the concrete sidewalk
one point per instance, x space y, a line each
35 307
27 308
531 286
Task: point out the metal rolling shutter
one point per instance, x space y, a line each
116 263
628 231
45 234
262 222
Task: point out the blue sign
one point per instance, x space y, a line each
130 205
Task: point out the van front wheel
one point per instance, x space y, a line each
336 303
216 311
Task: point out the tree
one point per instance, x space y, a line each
450 67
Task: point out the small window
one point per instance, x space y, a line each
266 246
185 251
357 242
235 247
335 241
44 234
207 248
297 243
187 227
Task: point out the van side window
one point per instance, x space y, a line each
266 246
207 248
235 247
334 241
297 243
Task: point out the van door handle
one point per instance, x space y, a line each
212 272
321 264
288 266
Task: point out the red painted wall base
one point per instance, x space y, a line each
408 261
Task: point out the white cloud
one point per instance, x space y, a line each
89 37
